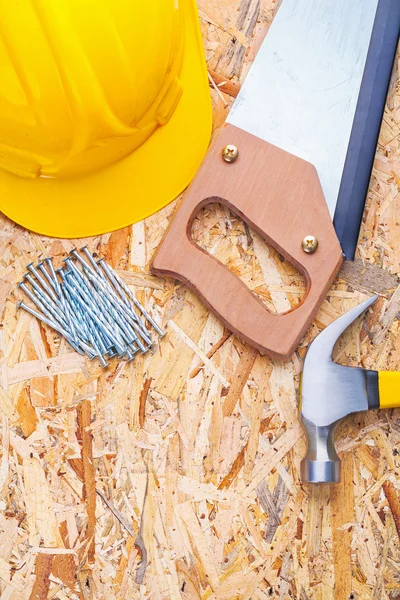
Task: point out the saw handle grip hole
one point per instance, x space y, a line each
226 237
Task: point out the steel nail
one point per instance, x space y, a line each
50 265
68 312
70 319
127 309
43 270
41 303
61 273
91 307
83 262
103 361
109 293
79 326
74 269
78 314
109 334
100 345
129 355
143 334
113 280
71 266
48 318
92 261
142 347
47 300
114 275
134 349
50 323
77 279
107 320
87 349
120 315
119 318
42 282
98 350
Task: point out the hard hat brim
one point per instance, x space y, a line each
133 188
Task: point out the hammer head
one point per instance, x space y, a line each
330 392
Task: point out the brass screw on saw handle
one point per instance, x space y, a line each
309 244
230 153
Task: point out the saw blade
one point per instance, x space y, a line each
302 90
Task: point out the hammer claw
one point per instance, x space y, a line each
330 392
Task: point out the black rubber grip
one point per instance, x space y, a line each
373 389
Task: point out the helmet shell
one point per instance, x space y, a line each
104 111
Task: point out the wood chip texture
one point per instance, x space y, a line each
177 476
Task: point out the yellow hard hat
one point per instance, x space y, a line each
105 112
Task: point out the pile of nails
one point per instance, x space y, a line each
87 302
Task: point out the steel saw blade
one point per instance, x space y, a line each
317 89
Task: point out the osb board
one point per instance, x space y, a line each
177 476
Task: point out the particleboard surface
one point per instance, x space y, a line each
177 476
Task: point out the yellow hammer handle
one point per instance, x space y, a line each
389 389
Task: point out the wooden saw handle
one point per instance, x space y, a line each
279 196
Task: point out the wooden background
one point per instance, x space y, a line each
176 476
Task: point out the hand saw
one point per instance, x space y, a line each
293 160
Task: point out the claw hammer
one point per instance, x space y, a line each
329 392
